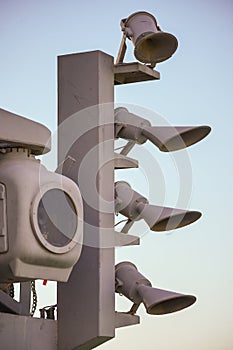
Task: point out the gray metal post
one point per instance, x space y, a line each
86 316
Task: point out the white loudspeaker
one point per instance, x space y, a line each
173 138
131 127
136 207
136 287
161 302
151 44
164 218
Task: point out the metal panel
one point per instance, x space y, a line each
26 333
86 316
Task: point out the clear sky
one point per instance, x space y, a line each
196 88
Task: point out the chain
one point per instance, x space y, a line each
34 298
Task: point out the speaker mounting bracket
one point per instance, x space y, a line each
133 72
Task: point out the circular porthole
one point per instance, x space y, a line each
55 219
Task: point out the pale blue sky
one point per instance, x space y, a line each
195 88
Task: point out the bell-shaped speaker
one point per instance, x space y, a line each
155 47
169 138
165 218
160 302
151 44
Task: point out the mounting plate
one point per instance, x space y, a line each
126 73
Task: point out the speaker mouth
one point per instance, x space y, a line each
165 218
169 139
176 221
171 305
186 139
155 47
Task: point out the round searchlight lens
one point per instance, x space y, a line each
57 218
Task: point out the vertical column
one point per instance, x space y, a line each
86 307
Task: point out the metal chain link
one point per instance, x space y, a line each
34 298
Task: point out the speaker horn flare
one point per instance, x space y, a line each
165 218
161 302
169 138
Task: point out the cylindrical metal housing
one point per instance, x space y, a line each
128 278
126 200
129 126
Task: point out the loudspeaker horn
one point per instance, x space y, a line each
137 288
161 302
168 138
132 127
164 218
136 207
151 44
